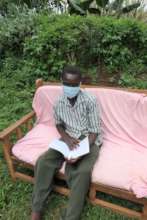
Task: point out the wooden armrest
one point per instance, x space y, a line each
14 126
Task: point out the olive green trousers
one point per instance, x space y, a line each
78 176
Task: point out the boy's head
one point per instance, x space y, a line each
71 79
71 75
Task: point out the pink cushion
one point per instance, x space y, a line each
44 99
122 161
123 167
35 143
123 116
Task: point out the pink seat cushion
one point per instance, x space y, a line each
122 160
35 143
123 167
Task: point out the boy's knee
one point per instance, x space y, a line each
40 161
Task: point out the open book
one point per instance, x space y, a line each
82 148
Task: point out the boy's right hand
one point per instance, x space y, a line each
71 142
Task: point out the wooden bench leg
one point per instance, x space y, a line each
144 215
92 193
6 147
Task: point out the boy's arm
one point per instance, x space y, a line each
70 141
94 122
61 128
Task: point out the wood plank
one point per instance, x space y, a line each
144 214
6 132
38 83
120 193
19 133
7 149
61 190
21 163
117 208
29 125
24 177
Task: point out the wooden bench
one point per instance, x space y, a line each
17 130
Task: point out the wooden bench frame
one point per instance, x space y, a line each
13 163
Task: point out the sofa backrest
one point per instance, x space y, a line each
43 102
123 114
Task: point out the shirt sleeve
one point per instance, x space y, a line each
57 117
94 117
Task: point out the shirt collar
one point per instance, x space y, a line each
66 101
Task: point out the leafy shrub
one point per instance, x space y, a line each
14 29
83 41
45 43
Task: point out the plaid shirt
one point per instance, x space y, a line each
82 118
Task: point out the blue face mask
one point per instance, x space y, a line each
70 91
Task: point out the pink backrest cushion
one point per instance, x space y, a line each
43 102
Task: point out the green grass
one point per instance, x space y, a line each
15 197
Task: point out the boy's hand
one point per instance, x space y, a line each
71 142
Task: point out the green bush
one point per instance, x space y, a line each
83 41
13 31
45 43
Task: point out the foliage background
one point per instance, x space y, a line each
36 45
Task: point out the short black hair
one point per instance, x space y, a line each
72 70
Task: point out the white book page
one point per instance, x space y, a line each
81 150
62 147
